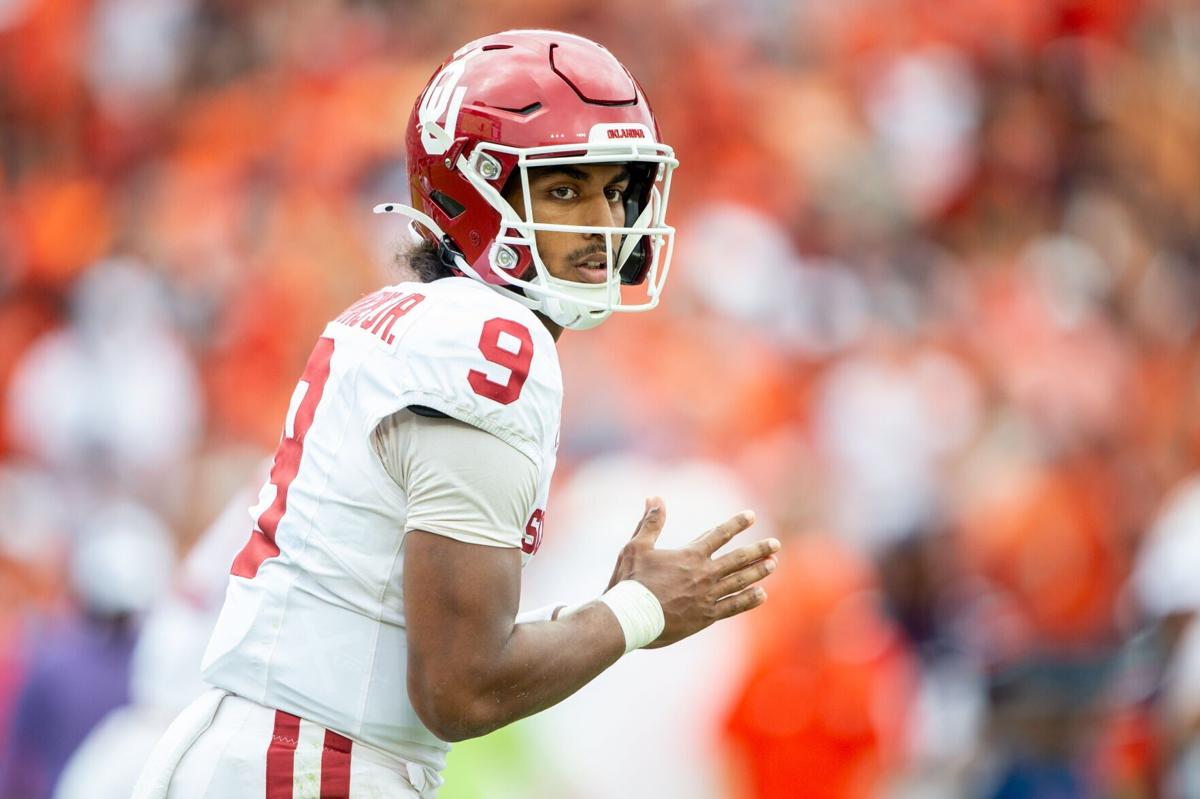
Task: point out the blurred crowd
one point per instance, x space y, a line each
934 313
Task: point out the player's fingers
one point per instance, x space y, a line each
719 536
651 525
741 602
745 577
742 557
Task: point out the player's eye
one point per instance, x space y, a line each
563 193
614 194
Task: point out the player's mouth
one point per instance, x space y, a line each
592 268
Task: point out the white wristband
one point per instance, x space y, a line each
637 610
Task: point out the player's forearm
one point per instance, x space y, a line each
536 667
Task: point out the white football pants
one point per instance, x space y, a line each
228 747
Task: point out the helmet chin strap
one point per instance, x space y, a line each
573 304
569 315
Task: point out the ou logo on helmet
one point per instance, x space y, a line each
443 98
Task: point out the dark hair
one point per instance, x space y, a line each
424 260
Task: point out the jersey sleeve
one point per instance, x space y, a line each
482 359
460 482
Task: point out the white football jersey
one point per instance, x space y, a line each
313 620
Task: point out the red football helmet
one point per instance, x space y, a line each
524 99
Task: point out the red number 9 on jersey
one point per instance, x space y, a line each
496 344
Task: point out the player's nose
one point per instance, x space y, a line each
598 212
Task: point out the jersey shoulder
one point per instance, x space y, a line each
463 318
468 301
472 354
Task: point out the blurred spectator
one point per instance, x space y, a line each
70 403
79 669
1165 588
823 710
886 421
164 671
1045 726
33 546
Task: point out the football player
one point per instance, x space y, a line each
371 618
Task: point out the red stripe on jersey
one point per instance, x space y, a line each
281 755
335 766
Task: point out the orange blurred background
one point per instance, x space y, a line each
933 312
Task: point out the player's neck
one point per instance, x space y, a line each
556 330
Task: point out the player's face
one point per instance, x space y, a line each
583 194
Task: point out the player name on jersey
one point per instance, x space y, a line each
378 312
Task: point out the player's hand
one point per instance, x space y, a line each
694 588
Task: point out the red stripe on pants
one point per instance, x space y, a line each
335 766
281 755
